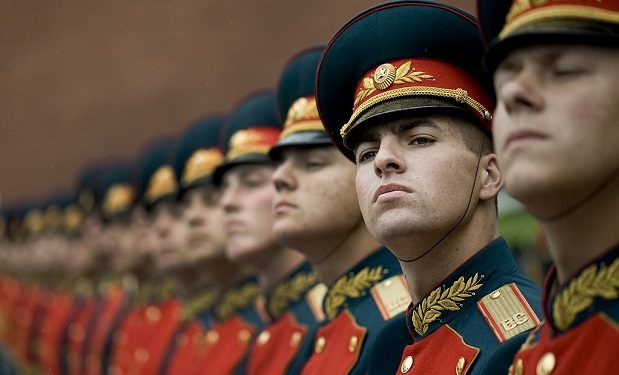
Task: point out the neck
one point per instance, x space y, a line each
222 273
585 234
344 253
191 279
281 264
425 274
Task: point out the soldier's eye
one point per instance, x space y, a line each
421 140
366 156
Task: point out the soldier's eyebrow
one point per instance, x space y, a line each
374 133
410 124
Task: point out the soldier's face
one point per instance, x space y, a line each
315 205
170 235
414 180
555 126
204 217
246 198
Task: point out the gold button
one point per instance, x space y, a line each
244 336
295 339
153 314
353 343
141 355
519 367
546 364
496 294
321 342
263 338
212 337
460 365
407 364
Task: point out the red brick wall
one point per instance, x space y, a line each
82 80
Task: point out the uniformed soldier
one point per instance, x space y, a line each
207 271
156 312
244 176
555 74
403 94
316 211
107 195
294 304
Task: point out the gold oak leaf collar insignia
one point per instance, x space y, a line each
351 286
444 299
236 299
289 291
579 294
199 303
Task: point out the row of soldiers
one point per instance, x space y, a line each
346 221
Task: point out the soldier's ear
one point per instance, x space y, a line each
490 176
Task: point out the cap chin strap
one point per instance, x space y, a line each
578 204
468 207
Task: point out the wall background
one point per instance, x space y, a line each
86 80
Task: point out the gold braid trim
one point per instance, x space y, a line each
460 95
236 299
579 294
515 19
351 286
201 302
431 308
289 291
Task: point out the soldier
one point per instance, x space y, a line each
246 198
114 222
555 74
402 92
317 211
207 272
295 303
156 312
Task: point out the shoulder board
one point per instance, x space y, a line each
314 298
391 296
507 312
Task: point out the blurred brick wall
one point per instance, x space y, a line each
84 80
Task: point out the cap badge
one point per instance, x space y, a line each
384 76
